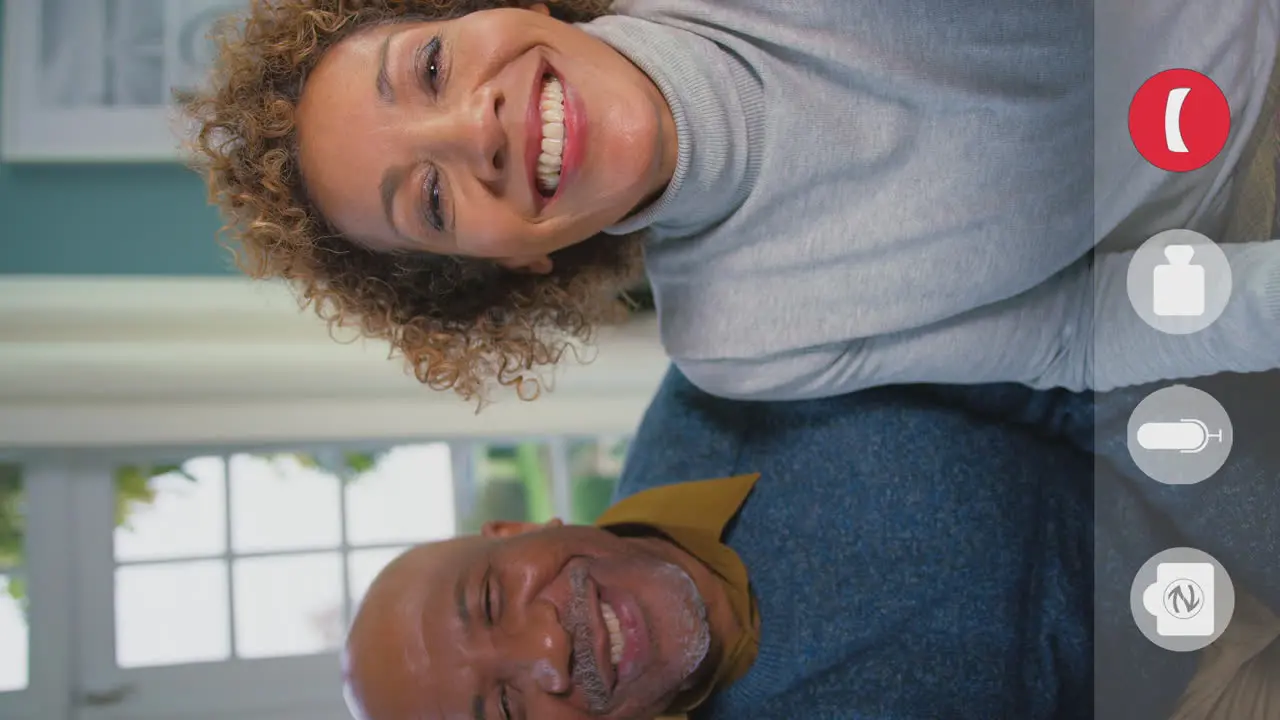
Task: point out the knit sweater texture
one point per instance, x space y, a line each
897 191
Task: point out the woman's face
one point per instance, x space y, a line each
503 134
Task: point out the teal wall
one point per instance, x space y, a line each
106 219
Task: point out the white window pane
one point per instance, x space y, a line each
175 514
288 605
363 566
172 614
14 636
406 498
278 503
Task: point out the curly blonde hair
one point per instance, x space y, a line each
460 323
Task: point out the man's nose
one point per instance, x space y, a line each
539 652
473 134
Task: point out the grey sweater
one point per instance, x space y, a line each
898 191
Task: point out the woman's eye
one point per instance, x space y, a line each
432 202
430 64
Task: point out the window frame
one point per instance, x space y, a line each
48 573
229 688
248 688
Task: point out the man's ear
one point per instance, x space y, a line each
510 528
537 7
537 265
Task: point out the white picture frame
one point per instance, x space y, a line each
93 80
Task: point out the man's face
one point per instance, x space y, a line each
526 622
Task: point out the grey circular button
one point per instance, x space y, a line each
1180 435
1179 282
1182 600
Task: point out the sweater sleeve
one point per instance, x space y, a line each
1077 331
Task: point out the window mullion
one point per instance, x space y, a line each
464 456
92 495
228 536
561 492
50 586
344 548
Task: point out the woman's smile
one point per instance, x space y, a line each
547 135
562 129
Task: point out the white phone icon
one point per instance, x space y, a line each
1173 120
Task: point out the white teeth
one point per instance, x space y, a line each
551 110
615 633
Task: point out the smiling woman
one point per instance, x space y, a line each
832 195
435 181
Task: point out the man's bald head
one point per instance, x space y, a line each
528 621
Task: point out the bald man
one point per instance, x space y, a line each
869 568
895 557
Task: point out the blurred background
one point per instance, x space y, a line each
196 482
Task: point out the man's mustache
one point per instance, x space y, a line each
583 662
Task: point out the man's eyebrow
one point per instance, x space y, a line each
460 600
385 92
464 616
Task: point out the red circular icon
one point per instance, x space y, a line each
1179 120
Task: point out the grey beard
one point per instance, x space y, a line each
585 671
690 616
692 623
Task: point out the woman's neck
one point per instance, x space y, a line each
713 124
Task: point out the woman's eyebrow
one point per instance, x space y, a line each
386 93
